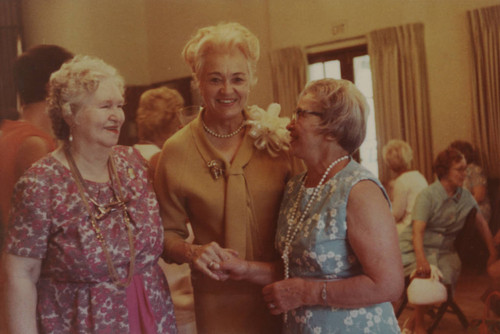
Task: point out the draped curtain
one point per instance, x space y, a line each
400 88
288 69
485 36
10 27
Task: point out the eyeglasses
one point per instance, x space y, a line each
301 112
461 169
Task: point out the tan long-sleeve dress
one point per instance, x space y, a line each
238 210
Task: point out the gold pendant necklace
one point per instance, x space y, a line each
103 211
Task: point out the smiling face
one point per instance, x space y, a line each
101 116
306 139
456 174
225 84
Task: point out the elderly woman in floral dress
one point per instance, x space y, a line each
341 264
226 182
85 233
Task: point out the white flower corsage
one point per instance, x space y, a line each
268 129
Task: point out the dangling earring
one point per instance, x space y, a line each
70 138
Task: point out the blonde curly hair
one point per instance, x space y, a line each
71 84
223 37
157 116
398 155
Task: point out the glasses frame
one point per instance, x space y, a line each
301 112
462 170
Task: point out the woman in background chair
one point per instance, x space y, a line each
85 232
408 183
439 214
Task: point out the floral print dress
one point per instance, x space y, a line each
321 251
75 293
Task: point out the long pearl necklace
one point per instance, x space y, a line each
218 135
294 228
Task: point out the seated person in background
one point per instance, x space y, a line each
157 119
25 141
85 233
408 183
475 178
430 238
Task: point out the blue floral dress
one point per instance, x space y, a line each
322 251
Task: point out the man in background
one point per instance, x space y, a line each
26 140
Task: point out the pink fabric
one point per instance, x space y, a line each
50 222
140 314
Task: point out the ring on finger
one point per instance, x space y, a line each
211 264
272 306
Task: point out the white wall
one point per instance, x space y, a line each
144 38
303 23
108 29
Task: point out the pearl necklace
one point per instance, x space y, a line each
218 135
294 228
291 233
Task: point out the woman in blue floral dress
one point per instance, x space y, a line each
341 264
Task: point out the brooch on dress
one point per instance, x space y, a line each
216 168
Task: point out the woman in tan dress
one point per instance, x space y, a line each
212 173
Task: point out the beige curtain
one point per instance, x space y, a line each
399 71
485 37
10 27
288 69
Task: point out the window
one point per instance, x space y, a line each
351 64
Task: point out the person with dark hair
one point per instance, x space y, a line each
438 216
25 141
475 179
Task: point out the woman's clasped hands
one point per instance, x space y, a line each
207 258
280 295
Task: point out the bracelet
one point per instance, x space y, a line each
323 294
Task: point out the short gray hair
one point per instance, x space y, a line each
344 111
74 81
